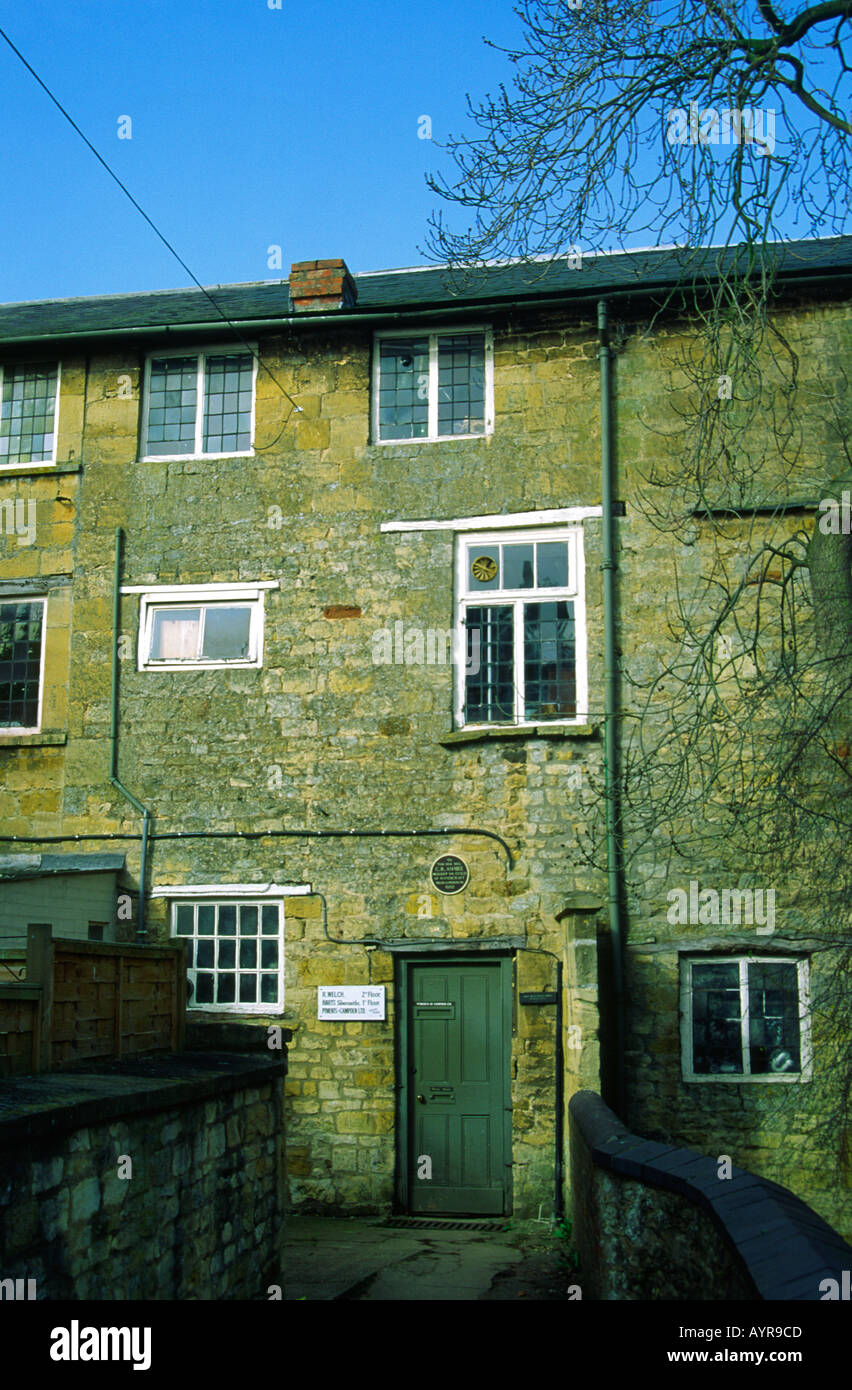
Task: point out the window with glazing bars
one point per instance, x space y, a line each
21 635
199 404
235 954
432 386
28 414
521 632
746 1017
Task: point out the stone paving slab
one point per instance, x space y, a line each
360 1259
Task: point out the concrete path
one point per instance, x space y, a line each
330 1258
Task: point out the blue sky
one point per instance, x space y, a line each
251 127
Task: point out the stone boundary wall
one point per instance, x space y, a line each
199 1213
656 1222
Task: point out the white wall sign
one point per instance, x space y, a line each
350 1001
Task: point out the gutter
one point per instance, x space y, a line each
113 742
611 708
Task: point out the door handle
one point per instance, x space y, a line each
422 1100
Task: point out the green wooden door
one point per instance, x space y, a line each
457 1089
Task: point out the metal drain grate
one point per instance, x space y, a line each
418 1223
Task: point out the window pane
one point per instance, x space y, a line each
518 567
27 412
227 404
172 392
489 691
248 954
773 1004
552 560
204 957
20 664
269 917
716 1019
549 661
226 633
248 989
184 920
174 634
403 388
206 918
227 920
483 567
269 989
204 989
269 955
461 384
227 989
248 921
227 955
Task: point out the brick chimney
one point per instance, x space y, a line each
318 285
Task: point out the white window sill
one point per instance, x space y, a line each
430 439
200 666
196 458
475 733
728 1079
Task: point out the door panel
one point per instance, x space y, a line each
457 1089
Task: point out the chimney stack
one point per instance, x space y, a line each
321 285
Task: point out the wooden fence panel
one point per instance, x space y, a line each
85 1001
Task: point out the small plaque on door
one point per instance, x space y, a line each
426 1008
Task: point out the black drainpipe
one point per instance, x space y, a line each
113 738
611 710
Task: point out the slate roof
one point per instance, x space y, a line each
18 866
399 292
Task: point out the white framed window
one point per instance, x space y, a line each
234 951
29 413
204 627
745 1018
522 624
199 404
22 628
433 385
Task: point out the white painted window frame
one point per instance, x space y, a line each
36 463
433 334
153 598
745 1077
202 354
575 593
237 895
16 730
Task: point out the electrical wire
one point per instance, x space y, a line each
126 191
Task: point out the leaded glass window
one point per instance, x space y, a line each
523 644
432 386
21 636
199 403
28 414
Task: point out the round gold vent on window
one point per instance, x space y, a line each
484 568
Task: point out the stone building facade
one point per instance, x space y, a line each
353 531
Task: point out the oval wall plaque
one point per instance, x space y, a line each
450 874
